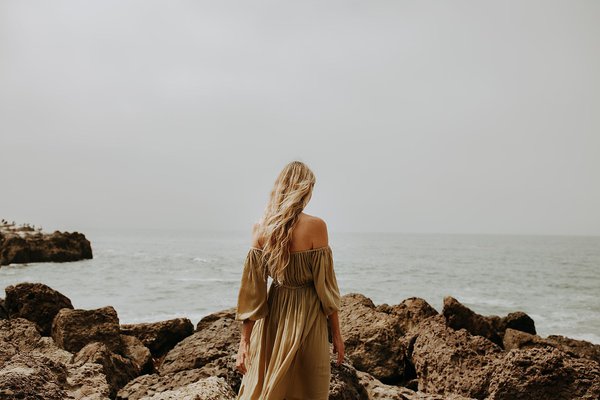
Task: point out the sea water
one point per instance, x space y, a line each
152 275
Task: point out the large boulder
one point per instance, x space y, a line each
514 339
162 336
543 373
17 335
35 302
140 355
371 338
459 316
409 313
447 361
73 329
27 376
212 348
28 247
118 369
146 386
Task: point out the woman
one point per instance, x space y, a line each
284 346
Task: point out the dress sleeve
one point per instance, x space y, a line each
252 296
326 281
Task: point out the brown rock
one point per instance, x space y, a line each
371 338
17 335
35 302
118 369
73 329
160 337
459 316
29 247
135 350
26 376
145 386
87 382
3 311
543 373
410 312
447 361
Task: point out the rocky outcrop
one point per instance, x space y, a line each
35 302
140 355
458 316
212 349
27 376
19 245
118 369
514 339
409 313
73 329
371 338
162 336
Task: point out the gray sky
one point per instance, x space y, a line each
422 116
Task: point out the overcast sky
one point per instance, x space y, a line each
422 116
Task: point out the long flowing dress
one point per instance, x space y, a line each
289 347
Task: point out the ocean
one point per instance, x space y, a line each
151 275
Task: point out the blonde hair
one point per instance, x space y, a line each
291 192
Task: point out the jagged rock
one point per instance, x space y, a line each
28 247
3 311
371 338
87 382
145 386
410 312
134 349
377 390
447 361
211 388
160 337
27 376
35 302
118 369
575 347
459 316
345 383
73 329
514 339
218 337
17 335
543 373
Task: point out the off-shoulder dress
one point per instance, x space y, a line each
289 347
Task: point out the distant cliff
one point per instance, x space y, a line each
27 244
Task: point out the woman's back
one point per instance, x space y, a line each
310 232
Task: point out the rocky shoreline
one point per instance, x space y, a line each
407 351
27 244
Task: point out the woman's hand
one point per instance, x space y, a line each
242 357
338 347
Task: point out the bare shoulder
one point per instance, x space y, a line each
317 229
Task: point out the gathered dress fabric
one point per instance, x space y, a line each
289 348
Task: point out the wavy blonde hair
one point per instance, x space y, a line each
291 192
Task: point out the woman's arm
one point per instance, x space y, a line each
242 355
336 337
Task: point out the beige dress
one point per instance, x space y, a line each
289 348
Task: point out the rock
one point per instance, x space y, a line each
87 382
18 247
543 373
514 339
410 312
118 369
345 383
575 347
73 329
26 376
134 349
146 386
160 337
459 316
371 338
35 302
447 361
17 335
3 311
217 338
211 388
